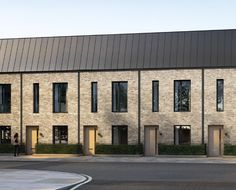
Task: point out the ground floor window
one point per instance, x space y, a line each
182 134
119 135
60 134
5 135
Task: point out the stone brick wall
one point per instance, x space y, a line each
166 118
45 119
12 119
227 117
105 118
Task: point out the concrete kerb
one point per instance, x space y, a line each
121 158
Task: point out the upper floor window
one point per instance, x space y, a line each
60 134
59 97
119 96
5 135
119 135
220 95
155 96
182 95
36 97
182 134
94 97
5 98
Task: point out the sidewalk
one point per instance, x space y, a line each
120 158
13 179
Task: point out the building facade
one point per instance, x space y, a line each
169 88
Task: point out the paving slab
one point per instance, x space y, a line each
14 179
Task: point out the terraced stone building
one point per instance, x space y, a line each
149 88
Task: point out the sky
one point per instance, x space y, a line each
31 18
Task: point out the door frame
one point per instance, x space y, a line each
27 130
221 139
95 136
156 137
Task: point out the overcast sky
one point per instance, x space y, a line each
27 18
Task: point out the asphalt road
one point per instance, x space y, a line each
142 176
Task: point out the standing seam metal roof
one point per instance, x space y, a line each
191 49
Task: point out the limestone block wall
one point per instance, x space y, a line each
105 118
12 119
166 118
227 117
45 119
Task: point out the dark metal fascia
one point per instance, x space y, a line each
203 110
139 107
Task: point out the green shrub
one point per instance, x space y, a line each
9 148
181 149
119 149
59 149
229 149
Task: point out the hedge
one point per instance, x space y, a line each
9 148
229 149
59 149
118 149
181 149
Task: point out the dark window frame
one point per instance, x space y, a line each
190 86
217 94
155 107
7 141
60 139
112 101
8 111
190 140
119 139
94 97
54 86
35 97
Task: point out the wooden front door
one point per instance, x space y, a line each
215 140
150 140
31 139
89 140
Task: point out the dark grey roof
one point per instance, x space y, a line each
195 49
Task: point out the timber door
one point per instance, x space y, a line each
150 140
31 139
89 140
215 141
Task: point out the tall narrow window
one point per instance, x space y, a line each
5 98
94 96
5 135
182 134
59 97
36 97
60 134
182 95
155 96
119 135
220 95
119 96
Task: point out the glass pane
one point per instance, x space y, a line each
123 135
115 135
36 98
155 96
115 97
5 135
60 134
60 91
220 95
182 95
123 96
94 97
